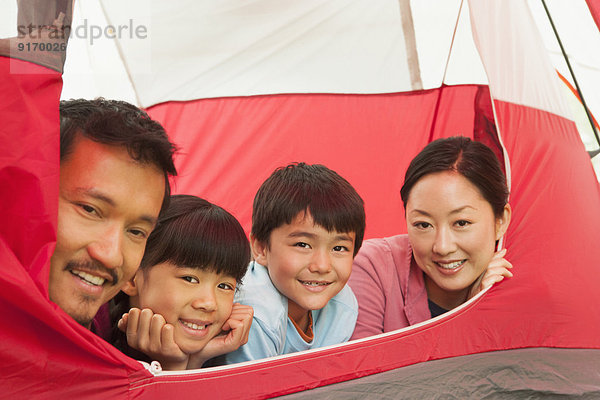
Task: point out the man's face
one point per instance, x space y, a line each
107 207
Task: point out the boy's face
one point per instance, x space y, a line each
196 302
306 263
107 207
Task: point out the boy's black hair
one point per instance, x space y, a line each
117 123
191 233
330 199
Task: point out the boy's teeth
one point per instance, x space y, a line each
453 265
89 278
194 326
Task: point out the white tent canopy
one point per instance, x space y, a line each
152 67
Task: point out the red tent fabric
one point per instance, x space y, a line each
594 6
230 144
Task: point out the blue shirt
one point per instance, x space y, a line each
272 333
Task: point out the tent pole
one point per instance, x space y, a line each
562 49
410 41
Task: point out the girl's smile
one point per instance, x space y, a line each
197 302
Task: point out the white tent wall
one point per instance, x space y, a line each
240 50
94 69
219 49
581 40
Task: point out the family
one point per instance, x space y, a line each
174 279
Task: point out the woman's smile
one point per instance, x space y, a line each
453 231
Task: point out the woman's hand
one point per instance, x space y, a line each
497 270
150 334
235 334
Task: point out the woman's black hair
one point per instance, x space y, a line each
473 160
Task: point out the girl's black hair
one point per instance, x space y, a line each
195 233
191 233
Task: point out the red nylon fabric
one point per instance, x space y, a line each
555 227
43 353
594 6
551 301
231 145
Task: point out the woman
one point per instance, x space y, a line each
455 200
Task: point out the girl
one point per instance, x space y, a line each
180 302
455 198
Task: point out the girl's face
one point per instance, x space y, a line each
452 230
196 302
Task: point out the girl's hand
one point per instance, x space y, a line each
150 334
235 334
497 270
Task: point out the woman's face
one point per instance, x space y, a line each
452 230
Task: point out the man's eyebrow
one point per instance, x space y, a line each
98 195
149 219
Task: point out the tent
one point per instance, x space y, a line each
358 85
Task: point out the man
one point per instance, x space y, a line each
114 168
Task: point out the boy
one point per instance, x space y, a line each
307 225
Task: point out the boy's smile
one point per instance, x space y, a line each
306 263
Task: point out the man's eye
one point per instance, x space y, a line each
190 279
88 209
303 245
463 223
226 286
138 233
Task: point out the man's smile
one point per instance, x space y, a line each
89 278
93 273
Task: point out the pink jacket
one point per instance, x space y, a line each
389 287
